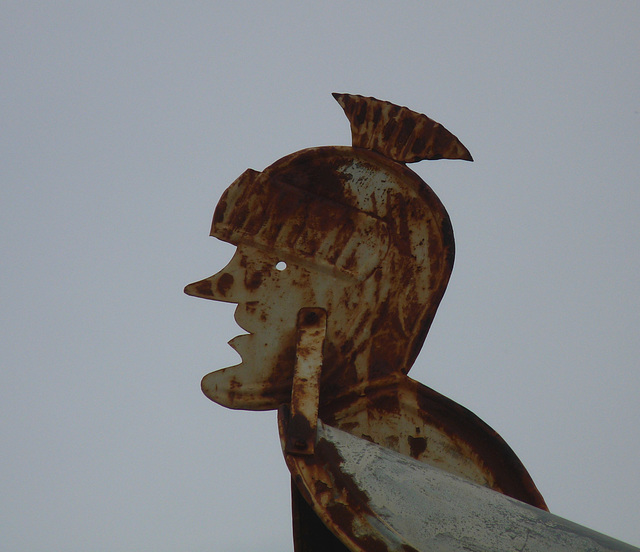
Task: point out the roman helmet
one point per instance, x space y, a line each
371 241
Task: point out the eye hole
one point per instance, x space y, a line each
281 265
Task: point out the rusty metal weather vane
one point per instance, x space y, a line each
343 255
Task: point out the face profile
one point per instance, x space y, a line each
268 292
361 237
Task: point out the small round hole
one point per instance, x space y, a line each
281 265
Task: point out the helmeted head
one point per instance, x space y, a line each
347 229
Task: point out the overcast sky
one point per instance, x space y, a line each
123 122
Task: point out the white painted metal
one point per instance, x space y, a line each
419 506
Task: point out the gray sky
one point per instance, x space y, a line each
122 123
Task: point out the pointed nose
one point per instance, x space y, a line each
217 287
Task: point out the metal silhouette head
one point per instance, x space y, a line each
343 255
350 230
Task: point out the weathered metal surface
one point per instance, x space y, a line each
380 289
305 394
375 499
354 233
379 310
397 132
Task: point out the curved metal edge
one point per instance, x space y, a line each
375 499
398 133
335 498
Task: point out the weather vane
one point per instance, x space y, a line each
343 256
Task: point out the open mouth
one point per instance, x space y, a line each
239 342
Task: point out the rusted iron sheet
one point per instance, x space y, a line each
375 499
354 233
380 288
305 394
379 310
397 132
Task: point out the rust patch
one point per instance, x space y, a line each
384 400
374 247
254 280
278 384
321 488
234 387
299 429
224 283
417 445
252 307
372 544
310 317
358 498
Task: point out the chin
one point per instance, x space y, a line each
247 387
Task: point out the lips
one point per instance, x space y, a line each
238 343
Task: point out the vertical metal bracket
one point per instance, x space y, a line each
305 392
